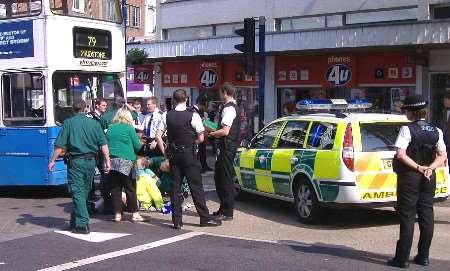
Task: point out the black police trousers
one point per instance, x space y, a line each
415 194
185 164
224 179
202 155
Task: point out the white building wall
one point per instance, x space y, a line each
207 12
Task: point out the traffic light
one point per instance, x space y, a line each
248 47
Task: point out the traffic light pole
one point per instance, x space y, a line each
261 69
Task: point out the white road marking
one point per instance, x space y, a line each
94 237
115 254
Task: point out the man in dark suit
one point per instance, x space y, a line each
445 123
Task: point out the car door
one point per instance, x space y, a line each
286 155
255 162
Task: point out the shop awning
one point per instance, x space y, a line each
379 35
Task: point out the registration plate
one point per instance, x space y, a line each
387 163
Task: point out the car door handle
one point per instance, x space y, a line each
294 160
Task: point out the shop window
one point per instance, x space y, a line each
266 138
287 24
321 136
189 33
23 99
401 14
293 136
440 11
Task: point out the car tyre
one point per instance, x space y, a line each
306 204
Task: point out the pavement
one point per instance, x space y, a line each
264 235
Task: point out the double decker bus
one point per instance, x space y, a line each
52 54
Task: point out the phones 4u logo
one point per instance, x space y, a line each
208 78
339 74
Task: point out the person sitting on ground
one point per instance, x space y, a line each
147 191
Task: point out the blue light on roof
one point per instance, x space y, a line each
332 104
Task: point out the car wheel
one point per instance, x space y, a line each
306 203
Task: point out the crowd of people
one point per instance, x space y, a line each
129 145
142 154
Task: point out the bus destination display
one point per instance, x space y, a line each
91 43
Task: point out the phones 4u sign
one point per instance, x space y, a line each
209 74
339 74
143 74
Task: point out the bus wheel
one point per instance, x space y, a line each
306 204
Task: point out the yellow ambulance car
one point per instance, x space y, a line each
326 160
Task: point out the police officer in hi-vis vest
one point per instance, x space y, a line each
420 150
228 137
184 132
80 137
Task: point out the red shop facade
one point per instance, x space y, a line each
383 78
204 77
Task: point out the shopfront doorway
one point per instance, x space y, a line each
439 84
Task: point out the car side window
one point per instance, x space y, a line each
265 139
321 136
293 135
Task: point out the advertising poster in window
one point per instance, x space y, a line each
16 40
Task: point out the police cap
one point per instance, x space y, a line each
414 103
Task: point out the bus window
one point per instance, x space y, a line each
105 10
19 8
23 99
70 87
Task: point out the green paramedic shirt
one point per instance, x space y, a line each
80 135
107 117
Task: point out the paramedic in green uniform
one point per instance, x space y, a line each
80 137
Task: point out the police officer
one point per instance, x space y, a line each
228 136
420 150
199 108
185 130
80 137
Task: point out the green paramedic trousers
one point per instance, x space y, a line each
80 175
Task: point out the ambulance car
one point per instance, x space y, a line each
327 159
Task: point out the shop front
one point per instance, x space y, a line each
203 78
383 78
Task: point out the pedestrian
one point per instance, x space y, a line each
150 125
199 107
445 121
80 138
228 137
420 150
123 143
100 107
108 116
184 131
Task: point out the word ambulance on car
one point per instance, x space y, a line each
322 160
